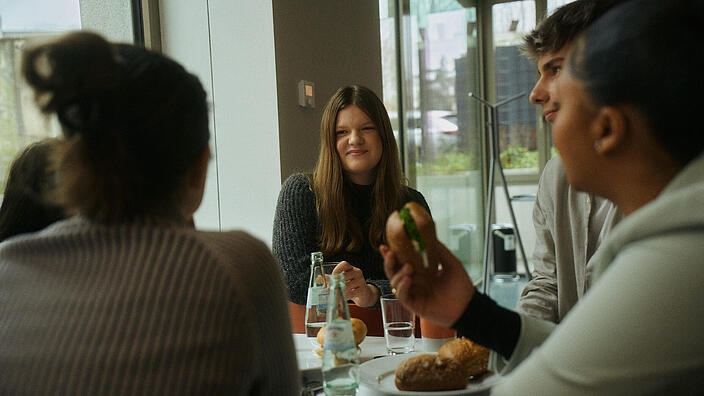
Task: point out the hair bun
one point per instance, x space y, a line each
73 76
79 116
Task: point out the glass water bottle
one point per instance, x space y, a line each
340 356
317 301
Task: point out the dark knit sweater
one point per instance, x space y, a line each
297 227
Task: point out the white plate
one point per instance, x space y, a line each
377 377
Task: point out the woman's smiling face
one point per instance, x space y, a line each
358 145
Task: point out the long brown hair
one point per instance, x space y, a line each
340 230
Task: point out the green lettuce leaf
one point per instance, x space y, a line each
410 226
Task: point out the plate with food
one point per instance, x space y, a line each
459 368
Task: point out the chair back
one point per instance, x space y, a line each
370 317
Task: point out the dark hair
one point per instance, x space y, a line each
643 53
25 207
135 122
340 230
563 26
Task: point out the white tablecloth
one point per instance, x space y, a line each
370 348
307 358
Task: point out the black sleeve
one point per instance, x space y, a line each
416 196
294 234
490 325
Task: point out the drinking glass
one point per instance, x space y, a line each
399 325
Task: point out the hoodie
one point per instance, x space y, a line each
639 329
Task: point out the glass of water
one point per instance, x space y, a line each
399 325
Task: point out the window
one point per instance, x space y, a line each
438 125
20 121
514 74
555 4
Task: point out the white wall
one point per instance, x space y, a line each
229 44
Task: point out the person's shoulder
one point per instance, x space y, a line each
297 185
236 241
554 171
414 195
553 182
296 192
298 182
236 250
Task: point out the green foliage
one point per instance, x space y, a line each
448 163
516 156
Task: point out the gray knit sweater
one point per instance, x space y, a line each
297 227
142 310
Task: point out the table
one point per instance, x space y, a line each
370 348
309 363
307 358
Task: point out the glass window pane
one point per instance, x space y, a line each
441 67
35 16
20 121
515 74
555 4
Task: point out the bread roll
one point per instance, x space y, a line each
359 329
474 358
406 247
430 373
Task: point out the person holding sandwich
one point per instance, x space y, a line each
635 331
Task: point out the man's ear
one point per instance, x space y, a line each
609 129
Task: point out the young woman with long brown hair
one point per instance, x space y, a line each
342 209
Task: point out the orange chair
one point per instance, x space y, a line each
370 317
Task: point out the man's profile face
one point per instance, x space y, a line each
543 93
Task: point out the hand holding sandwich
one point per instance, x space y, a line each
439 293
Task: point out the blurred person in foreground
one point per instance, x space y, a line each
126 297
25 205
637 330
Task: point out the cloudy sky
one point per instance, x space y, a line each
39 15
